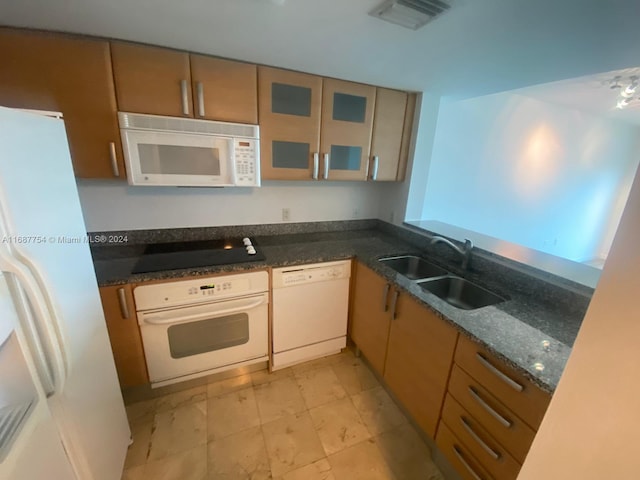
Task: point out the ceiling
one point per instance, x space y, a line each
476 48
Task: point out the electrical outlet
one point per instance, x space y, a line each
286 215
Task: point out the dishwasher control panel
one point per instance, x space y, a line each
318 272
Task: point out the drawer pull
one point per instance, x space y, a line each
466 465
124 307
509 381
476 396
385 295
394 304
465 423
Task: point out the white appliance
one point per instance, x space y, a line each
192 328
185 152
61 410
310 308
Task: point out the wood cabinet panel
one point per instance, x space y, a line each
44 71
519 394
151 80
459 456
419 359
229 90
124 335
386 141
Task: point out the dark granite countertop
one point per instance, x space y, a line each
514 330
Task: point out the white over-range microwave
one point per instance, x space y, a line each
191 153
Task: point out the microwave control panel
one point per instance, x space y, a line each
247 161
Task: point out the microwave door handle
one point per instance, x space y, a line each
171 318
234 160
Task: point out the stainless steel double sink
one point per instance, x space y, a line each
456 291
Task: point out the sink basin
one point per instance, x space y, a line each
461 293
414 268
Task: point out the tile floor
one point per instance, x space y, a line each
328 419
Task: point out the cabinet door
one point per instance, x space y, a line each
388 124
224 90
347 120
58 73
370 316
124 334
407 133
152 80
289 112
419 359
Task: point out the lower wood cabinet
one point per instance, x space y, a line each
124 334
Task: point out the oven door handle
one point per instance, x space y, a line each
165 318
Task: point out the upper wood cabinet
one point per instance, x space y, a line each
43 71
159 81
290 105
386 142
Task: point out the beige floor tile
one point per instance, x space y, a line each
232 413
178 430
377 410
338 425
239 456
141 412
320 470
354 375
188 465
278 399
134 473
263 376
360 462
180 399
317 363
139 450
320 386
407 455
228 385
292 442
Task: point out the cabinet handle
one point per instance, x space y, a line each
394 303
465 463
376 164
200 90
316 165
508 380
185 97
465 423
114 160
476 396
326 166
385 294
124 307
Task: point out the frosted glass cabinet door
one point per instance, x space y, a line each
347 121
289 117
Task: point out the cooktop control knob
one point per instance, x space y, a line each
246 241
251 250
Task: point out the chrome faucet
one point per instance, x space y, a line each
465 252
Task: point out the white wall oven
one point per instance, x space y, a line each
192 328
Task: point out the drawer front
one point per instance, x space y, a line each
459 456
510 387
498 420
489 453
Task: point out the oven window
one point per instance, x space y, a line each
187 339
178 160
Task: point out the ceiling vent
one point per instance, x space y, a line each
410 13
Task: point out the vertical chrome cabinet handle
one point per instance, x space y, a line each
394 303
316 165
509 381
185 97
385 295
124 307
492 453
326 166
465 463
200 90
476 396
376 164
114 160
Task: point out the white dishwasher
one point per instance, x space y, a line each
310 307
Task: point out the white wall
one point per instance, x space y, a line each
115 206
536 174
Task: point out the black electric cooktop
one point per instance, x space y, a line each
202 253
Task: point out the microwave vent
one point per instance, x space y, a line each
186 125
411 14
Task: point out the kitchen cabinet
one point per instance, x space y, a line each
289 116
407 135
124 335
419 358
54 72
160 81
386 141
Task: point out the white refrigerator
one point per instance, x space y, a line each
61 411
